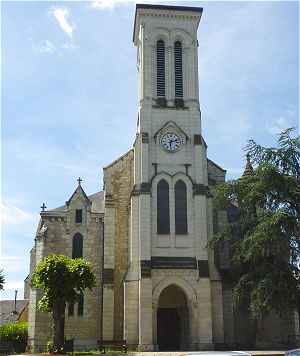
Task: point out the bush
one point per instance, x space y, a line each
14 335
49 347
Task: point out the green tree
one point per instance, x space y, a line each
2 279
62 280
264 239
14 335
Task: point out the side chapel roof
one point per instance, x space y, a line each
96 200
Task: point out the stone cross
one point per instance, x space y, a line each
43 207
79 180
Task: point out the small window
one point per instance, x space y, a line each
77 246
70 309
80 305
78 216
163 213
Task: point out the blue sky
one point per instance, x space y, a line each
69 98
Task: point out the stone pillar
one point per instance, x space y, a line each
229 336
108 272
193 324
39 324
154 323
131 284
131 313
108 312
200 226
145 315
204 315
217 311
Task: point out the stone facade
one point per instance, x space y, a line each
55 236
146 278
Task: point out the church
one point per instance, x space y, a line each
159 286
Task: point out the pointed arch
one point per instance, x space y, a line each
163 207
181 226
178 70
77 246
161 70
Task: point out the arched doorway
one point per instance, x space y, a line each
172 319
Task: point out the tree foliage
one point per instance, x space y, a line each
62 280
2 279
264 239
14 335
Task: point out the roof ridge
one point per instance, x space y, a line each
118 159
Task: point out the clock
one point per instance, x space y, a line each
171 142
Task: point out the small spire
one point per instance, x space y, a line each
43 207
248 169
79 180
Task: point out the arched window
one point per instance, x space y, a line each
160 65
178 69
163 213
77 246
180 208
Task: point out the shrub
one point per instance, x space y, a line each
49 347
15 335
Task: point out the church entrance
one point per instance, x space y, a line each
172 320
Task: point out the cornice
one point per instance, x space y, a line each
179 12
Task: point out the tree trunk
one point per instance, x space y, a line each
58 326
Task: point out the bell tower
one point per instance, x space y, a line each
168 280
167 55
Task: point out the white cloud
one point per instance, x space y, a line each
279 125
15 220
12 215
45 46
62 14
104 4
48 47
109 4
44 157
14 285
69 45
9 290
13 264
15 268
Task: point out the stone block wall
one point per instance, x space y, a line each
59 229
119 184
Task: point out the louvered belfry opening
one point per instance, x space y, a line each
163 213
161 70
178 70
180 208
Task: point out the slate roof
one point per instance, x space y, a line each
7 308
97 200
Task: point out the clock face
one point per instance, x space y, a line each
171 142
